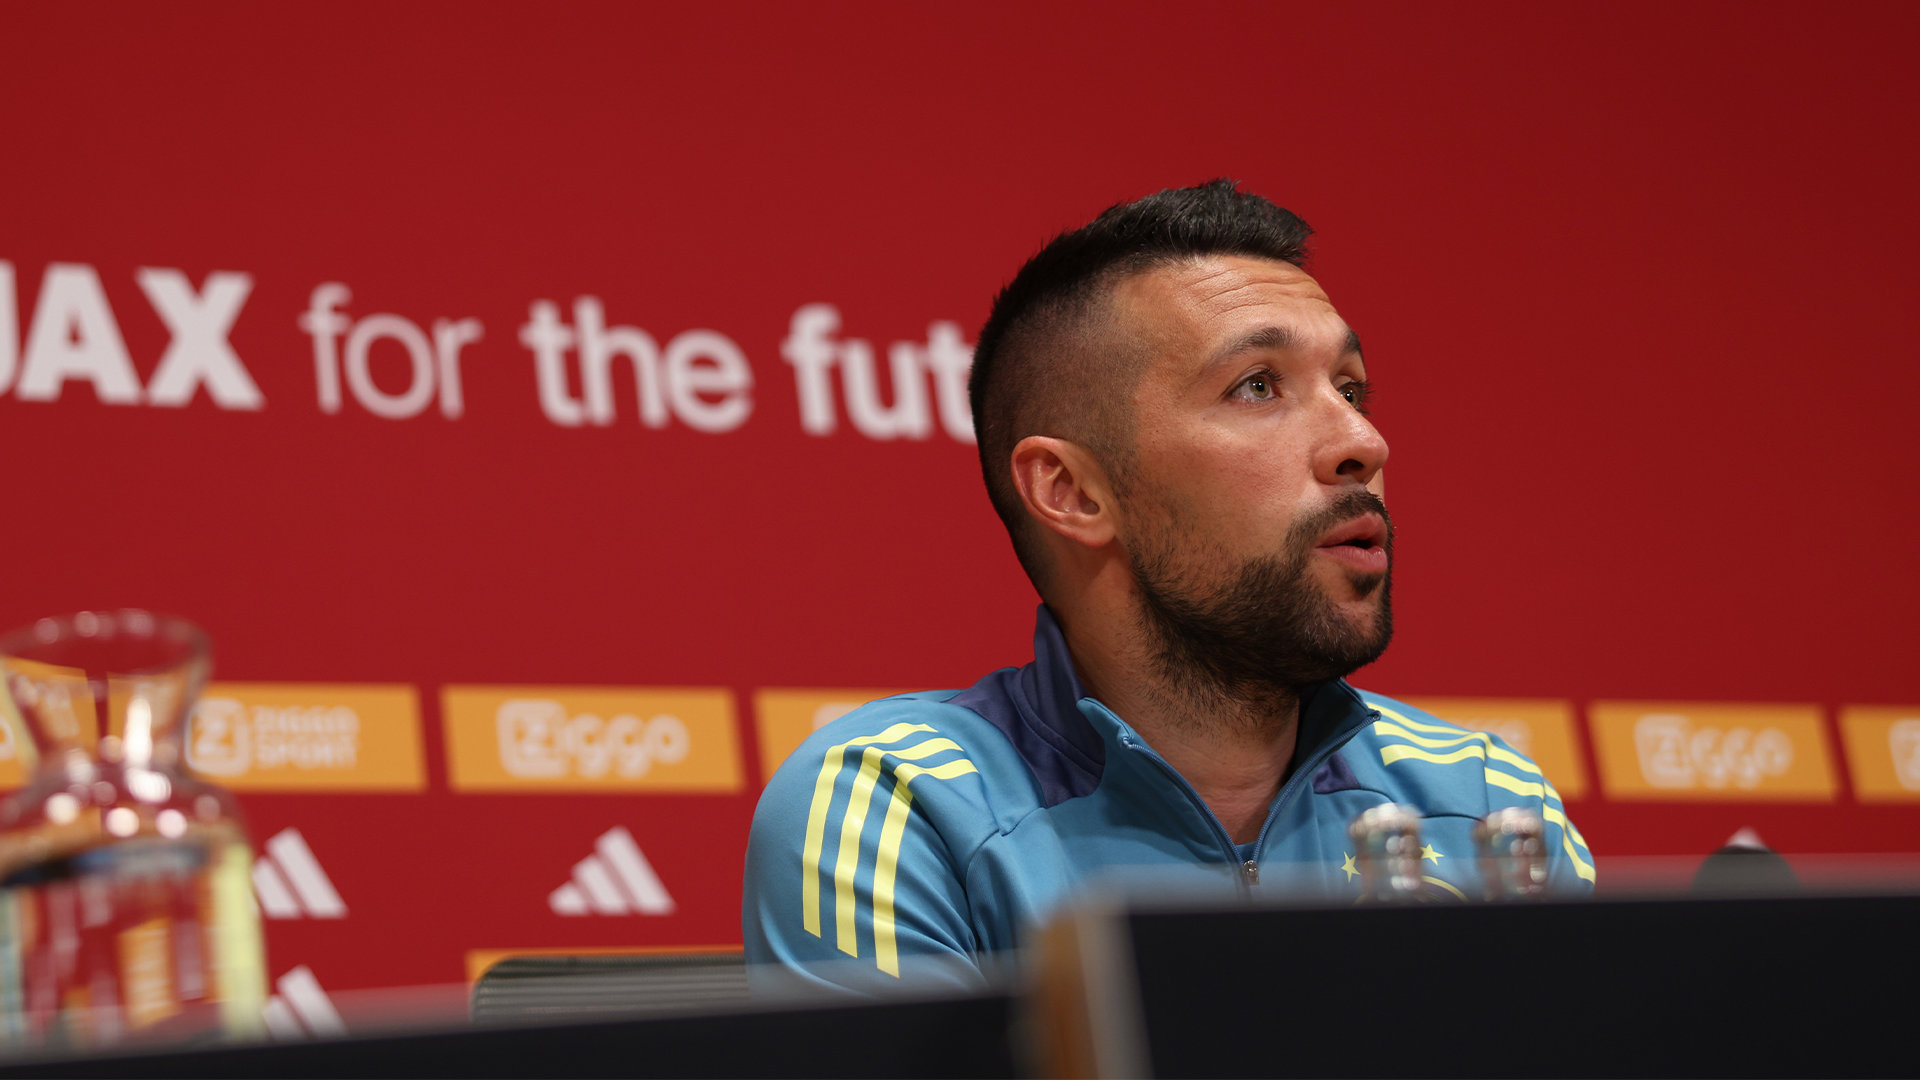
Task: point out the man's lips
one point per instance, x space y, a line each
1365 531
1360 544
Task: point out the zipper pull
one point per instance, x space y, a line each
1250 872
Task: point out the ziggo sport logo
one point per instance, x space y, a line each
542 740
1676 754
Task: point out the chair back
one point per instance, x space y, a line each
523 989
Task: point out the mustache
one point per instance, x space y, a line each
1343 508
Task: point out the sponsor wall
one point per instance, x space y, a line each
554 414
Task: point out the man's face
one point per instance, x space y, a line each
1262 558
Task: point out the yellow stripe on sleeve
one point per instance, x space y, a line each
885 866
850 825
1431 729
1388 727
1516 785
887 862
1399 752
1580 866
854 822
1571 827
817 818
1497 753
1508 757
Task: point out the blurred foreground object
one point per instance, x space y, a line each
126 911
1513 854
1806 985
1386 842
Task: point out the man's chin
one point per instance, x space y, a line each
1356 594
1359 631
1368 588
1279 623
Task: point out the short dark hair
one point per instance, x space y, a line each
1035 369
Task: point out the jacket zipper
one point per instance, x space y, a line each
1249 870
1288 792
1219 830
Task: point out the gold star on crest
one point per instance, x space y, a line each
1351 871
1429 853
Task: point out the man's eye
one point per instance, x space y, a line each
1258 387
1357 394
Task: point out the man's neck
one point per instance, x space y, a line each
1235 750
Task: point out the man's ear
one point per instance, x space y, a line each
1064 489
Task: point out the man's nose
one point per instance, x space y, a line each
1351 449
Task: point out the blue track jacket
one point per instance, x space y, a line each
923 833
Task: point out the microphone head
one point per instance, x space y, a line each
1741 870
1512 843
1386 840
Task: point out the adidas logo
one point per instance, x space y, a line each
289 883
301 1009
615 880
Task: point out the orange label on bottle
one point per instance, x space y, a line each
16 749
591 738
146 973
784 718
1688 750
308 737
1541 729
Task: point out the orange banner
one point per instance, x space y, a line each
1542 729
308 737
1688 750
591 738
784 718
1883 751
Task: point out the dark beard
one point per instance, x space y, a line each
1250 644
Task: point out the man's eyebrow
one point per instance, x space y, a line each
1277 338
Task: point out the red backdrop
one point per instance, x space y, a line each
1636 282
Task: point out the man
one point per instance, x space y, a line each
1172 423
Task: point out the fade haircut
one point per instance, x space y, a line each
1044 365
